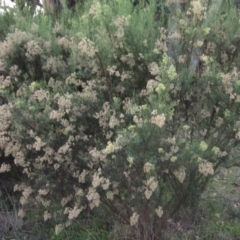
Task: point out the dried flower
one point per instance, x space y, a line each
159 211
197 8
33 49
109 195
82 176
158 120
21 213
93 197
58 228
43 191
153 68
148 167
87 47
5 168
134 219
150 186
206 168
74 213
47 216
148 193
38 144
180 174
95 10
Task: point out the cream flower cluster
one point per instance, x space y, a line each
158 119
205 168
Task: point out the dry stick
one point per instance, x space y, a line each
6 191
116 211
10 198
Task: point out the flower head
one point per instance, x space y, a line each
134 219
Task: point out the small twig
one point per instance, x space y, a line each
7 192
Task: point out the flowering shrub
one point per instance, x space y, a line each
136 122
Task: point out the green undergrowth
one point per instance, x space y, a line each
79 231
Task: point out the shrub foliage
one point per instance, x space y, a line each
121 110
